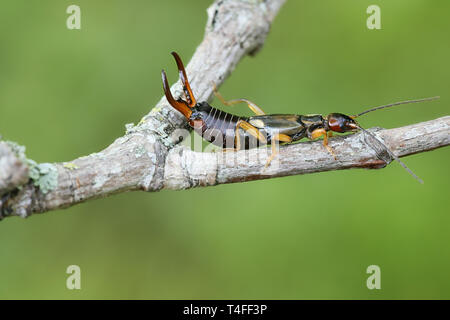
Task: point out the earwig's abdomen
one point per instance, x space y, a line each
214 125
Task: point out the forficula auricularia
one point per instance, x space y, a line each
265 129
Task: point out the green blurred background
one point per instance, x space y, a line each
66 93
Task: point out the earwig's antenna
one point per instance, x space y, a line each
382 145
391 154
395 104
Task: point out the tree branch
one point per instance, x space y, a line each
187 169
13 170
148 158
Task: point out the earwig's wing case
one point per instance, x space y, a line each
283 123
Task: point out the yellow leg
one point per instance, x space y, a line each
228 149
247 127
237 137
257 110
275 140
323 133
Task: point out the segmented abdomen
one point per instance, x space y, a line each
215 125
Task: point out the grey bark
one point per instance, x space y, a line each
148 158
13 170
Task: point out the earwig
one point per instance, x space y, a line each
225 129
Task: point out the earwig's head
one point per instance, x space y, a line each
339 122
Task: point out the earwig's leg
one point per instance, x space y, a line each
191 102
330 149
228 149
274 141
247 127
323 133
257 110
237 137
